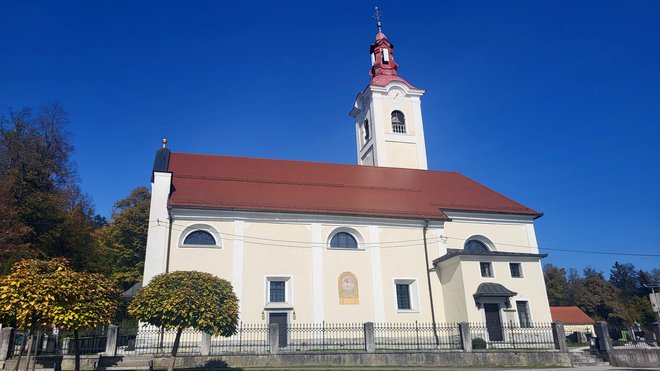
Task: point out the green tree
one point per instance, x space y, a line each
638 309
123 241
13 234
187 299
38 188
598 298
625 278
38 294
556 285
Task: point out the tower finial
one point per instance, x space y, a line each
165 136
377 14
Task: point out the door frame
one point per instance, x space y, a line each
499 314
287 317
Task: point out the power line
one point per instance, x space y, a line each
386 244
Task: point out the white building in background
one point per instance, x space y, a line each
384 241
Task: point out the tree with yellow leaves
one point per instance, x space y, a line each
46 293
187 299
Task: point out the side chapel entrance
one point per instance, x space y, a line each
493 322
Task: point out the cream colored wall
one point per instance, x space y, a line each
569 329
530 288
404 262
337 261
407 150
406 106
452 285
461 277
401 154
217 261
511 237
451 276
262 259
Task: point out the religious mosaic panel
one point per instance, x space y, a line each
348 289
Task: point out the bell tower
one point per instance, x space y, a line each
388 114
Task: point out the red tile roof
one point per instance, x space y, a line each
241 183
570 315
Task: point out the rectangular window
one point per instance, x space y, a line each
523 314
486 269
516 270
277 291
403 296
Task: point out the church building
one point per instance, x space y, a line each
386 240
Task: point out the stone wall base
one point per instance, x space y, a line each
379 359
640 357
394 359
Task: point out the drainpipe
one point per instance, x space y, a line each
169 241
428 278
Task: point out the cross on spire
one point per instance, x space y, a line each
376 16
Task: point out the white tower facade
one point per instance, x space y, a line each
388 115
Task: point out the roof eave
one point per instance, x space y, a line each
363 215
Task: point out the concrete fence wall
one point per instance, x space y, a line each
644 354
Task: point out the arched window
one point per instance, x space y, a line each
475 246
367 134
398 122
199 238
343 240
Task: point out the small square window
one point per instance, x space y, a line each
486 269
516 270
523 314
406 295
277 291
403 296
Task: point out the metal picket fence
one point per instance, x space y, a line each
338 337
62 343
307 337
511 335
152 340
416 336
249 338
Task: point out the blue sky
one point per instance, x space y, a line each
555 104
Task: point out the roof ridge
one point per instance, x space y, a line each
377 168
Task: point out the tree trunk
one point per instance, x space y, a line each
76 347
29 351
175 348
36 344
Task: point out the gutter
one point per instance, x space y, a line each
169 240
428 278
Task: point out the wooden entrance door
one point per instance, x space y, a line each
493 322
282 321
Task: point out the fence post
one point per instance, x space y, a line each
656 331
6 336
603 337
369 337
65 345
111 341
274 338
466 338
559 336
205 347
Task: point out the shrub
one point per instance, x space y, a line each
479 343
